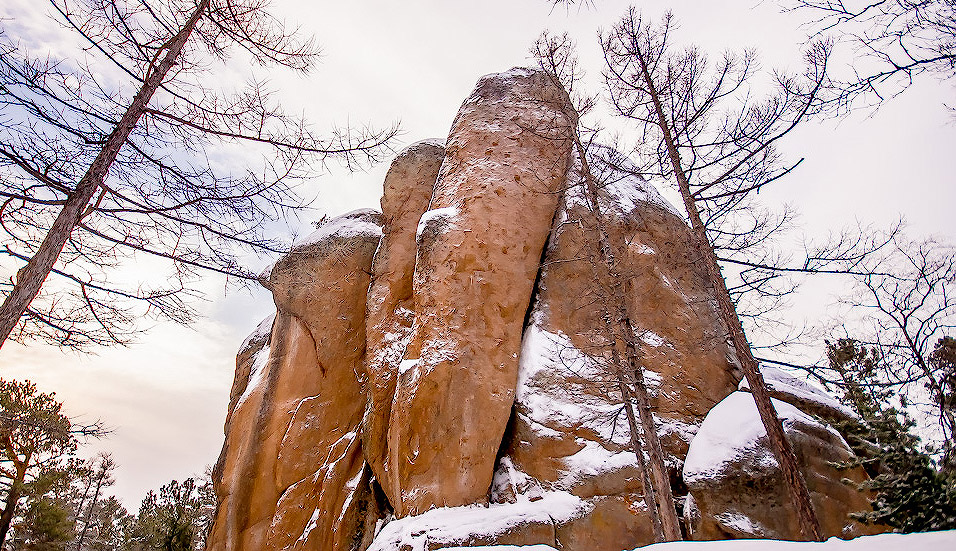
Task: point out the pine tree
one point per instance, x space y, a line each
910 495
46 526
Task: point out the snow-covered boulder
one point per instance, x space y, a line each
802 394
737 489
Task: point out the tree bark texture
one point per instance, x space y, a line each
796 485
30 278
658 493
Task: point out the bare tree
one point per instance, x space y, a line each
892 42
100 477
903 308
704 132
556 57
126 155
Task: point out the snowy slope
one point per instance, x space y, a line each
928 541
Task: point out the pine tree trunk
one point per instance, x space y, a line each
658 492
665 495
796 485
30 278
650 496
10 506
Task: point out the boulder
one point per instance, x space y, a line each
478 250
292 445
800 393
390 304
737 489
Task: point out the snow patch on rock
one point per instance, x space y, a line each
542 395
778 380
459 525
257 374
262 331
351 224
730 436
437 220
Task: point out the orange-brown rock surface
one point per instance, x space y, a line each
438 375
479 248
292 443
390 310
569 432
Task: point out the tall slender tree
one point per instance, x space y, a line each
718 147
556 57
126 154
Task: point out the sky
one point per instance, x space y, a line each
414 62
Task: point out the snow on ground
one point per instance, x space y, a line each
460 524
927 541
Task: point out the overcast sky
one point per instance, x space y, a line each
415 61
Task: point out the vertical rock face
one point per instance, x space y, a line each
479 247
569 431
292 446
390 311
440 374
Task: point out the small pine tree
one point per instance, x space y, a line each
46 526
943 362
910 494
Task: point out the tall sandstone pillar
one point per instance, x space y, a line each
479 250
292 475
390 307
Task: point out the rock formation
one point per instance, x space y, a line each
439 375
292 443
390 303
735 484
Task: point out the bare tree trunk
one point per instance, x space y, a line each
796 485
92 506
650 496
659 491
10 506
30 278
655 451
86 494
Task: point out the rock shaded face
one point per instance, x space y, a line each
292 444
440 374
391 305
